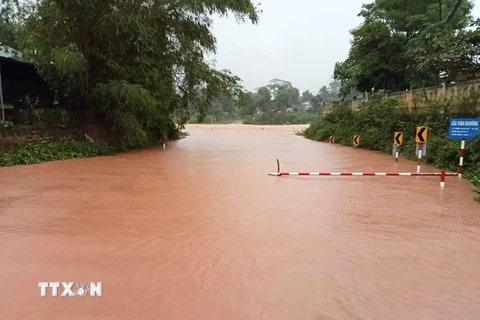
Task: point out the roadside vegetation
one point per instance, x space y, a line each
398 48
379 118
43 151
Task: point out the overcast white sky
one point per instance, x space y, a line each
298 41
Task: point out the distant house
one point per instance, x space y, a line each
20 79
306 105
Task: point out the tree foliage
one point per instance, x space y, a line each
403 45
307 96
135 65
449 54
278 102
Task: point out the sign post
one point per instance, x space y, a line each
420 139
397 142
463 129
462 155
356 142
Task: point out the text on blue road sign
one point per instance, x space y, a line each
464 128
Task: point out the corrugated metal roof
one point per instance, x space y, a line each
10 53
7 52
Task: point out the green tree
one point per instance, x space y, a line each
307 96
8 34
262 100
284 95
330 93
449 54
132 65
380 56
334 87
317 103
250 108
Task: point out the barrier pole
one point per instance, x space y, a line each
368 174
462 154
397 153
442 178
278 166
419 160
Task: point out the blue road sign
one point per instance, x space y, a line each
464 128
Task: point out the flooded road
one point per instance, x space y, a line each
199 231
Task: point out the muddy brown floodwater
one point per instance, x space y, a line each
199 231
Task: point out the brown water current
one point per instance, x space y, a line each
200 231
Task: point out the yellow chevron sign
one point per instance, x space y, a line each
356 140
398 138
421 135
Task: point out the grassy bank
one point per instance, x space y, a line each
43 151
379 118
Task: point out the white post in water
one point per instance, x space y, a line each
462 154
419 161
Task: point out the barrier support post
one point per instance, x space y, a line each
462 154
278 166
442 179
419 161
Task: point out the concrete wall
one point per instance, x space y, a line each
420 97
10 137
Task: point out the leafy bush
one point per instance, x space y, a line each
39 117
50 151
6 124
57 117
378 118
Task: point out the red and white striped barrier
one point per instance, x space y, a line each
442 174
414 174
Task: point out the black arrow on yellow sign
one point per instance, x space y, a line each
332 140
398 138
355 139
421 136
